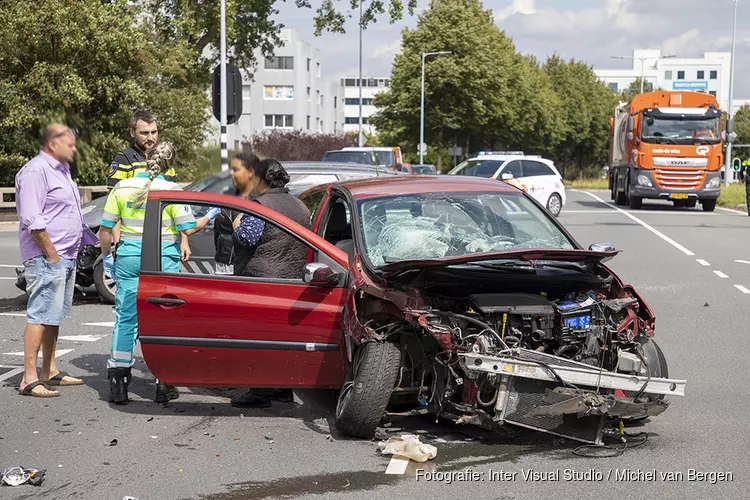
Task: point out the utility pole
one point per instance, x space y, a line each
359 135
422 146
730 122
223 91
643 60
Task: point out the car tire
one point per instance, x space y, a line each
368 388
105 287
708 205
554 204
657 367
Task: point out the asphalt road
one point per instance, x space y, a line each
687 264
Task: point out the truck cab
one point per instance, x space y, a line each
666 145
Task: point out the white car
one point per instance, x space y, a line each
536 175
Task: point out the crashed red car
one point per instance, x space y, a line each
463 298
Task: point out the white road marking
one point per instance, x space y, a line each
743 261
732 210
106 324
81 338
594 211
720 274
702 262
16 315
742 289
639 221
11 265
5 278
58 353
15 370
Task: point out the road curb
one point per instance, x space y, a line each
8 227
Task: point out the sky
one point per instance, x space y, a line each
585 30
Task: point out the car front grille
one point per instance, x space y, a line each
679 179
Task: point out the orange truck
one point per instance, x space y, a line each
666 145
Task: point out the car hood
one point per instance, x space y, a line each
586 256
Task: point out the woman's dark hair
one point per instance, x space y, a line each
249 160
272 172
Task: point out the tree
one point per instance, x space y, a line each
635 88
483 93
587 105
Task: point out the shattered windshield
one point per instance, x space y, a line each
677 130
436 225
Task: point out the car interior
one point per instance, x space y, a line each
338 229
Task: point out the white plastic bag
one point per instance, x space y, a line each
409 446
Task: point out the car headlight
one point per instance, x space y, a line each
644 181
713 183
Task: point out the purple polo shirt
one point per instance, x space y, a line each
47 198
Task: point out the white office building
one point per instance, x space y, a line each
709 74
288 91
370 87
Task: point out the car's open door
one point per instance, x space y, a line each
200 328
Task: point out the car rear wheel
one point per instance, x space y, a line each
367 390
554 204
105 286
657 368
708 205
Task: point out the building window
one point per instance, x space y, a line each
308 122
680 75
335 103
322 127
367 101
387 82
278 92
308 64
668 74
712 92
335 126
701 75
279 121
713 75
350 82
349 101
354 120
308 93
613 86
282 62
317 70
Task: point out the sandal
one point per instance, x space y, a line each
28 390
58 380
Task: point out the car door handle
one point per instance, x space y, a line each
166 301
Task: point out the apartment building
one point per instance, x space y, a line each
370 87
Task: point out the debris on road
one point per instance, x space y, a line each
408 446
113 443
16 476
150 419
269 440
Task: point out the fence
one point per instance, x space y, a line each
87 194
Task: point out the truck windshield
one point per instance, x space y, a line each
680 130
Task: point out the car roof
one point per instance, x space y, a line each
422 184
320 167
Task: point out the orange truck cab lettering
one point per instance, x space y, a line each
666 145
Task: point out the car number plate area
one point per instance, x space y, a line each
678 196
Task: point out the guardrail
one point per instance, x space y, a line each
87 194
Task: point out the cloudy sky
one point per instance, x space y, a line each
588 30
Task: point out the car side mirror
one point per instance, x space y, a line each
602 247
506 176
631 123
629 136
318 274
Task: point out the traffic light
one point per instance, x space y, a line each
233 93
736 164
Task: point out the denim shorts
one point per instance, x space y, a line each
50 287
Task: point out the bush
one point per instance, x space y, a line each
296 145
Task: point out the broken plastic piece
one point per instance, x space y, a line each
409 446
16 476
113 442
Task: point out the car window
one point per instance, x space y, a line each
425 169
478 168
338 225
533 168
312 201
215 247
513 168
436 225
223 186
387 158
363 157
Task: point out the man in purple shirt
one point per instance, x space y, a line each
51 232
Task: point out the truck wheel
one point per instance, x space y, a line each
554 204
657 367
635 202
105 286
708 205
367 390
691 203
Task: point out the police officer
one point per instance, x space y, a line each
746 174
126 205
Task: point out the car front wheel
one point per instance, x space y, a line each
368 387
554 204
106 286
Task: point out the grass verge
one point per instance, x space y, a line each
733 196
587 184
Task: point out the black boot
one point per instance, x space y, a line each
165 393
254 398
119 378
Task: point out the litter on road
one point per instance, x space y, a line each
16 476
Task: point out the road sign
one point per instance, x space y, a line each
422 148
233 93
455 151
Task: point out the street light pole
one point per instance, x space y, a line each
421 107
730 122
359 135
643 63
223 89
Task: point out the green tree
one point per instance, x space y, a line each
90 64
587 105
635 88
482 94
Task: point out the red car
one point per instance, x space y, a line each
464 299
